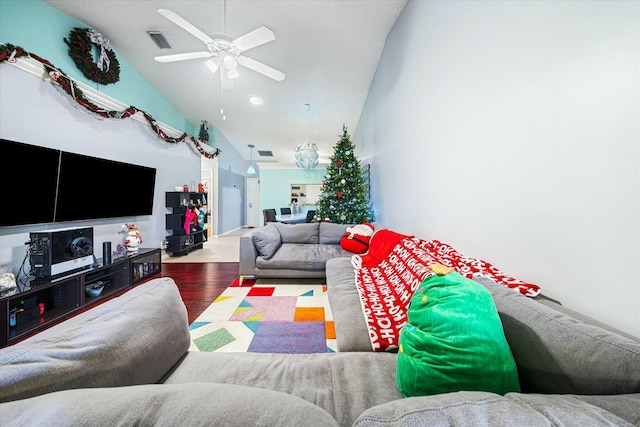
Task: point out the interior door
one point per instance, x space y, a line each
253 202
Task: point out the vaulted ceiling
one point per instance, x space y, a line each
328 50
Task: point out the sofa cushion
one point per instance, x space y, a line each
267 240
343 384
132 339
352 333
299 233
556 353
331 233
302 256
487 409
194 404
453 340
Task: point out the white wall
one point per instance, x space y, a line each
230 183
511 131
36 112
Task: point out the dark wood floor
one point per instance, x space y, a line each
200 283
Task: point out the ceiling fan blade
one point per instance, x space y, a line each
186 25
254 38
261 68
182 56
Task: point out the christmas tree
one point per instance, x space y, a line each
343 199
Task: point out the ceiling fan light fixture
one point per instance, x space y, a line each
232 73
230 65
230 62
212 64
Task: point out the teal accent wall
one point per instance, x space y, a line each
214 137
275 186
41 29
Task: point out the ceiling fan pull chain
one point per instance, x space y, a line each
224 16
224 116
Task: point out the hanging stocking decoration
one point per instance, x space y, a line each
190 216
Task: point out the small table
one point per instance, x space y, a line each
292 218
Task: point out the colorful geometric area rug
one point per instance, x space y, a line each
267 316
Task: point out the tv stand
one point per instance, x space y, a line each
45 303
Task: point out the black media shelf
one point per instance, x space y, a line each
43 303
181 242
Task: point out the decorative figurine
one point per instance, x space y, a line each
133 239
121 250
8 284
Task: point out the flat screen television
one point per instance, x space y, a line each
63 186
30 192
92 188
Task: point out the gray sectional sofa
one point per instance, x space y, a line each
280 250
126 362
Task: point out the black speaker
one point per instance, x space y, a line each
81 246
106 253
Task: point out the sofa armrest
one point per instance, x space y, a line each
557 353
135 338
248 254
166 405
465 408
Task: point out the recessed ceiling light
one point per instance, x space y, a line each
256 100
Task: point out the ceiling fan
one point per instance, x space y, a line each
224 52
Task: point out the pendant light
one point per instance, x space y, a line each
251 170
307 154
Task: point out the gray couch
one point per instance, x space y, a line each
126 362
280 250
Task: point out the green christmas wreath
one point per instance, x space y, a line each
81 42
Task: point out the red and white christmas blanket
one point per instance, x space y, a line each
395 264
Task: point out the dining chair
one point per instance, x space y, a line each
285 211
310 215
269 215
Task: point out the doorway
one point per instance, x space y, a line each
209 178
253 202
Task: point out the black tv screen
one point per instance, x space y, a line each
94 188
30 191
55 186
